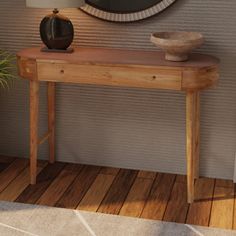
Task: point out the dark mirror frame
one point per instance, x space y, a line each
127 17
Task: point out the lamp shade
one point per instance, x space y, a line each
55 3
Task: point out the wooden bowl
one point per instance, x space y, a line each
177 45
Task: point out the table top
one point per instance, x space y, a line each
119 67
119 57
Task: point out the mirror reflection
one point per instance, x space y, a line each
122 6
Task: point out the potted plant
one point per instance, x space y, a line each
6 68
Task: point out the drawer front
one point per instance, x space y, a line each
128 76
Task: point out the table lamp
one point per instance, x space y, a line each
56 30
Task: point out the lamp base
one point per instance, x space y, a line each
68 50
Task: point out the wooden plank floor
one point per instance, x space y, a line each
124 192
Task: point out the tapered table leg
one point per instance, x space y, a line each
190 147
197 135
34 111
51 120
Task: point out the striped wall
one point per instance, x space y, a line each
133 128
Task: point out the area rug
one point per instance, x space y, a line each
31 220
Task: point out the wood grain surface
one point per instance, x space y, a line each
177 201
76 191
96 193
59 185
138 194
118 192
200 211
33 192
126 192
116 67
159 196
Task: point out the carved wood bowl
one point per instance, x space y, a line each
177 45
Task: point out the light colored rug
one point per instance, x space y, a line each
31 220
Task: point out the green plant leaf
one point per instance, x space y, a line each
7 68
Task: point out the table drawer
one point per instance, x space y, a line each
121 75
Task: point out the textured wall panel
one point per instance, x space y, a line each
131 128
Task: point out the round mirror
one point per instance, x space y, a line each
125 10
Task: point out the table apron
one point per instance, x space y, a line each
127 76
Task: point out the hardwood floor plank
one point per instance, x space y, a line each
96 193
5 162
157 201
177 206
33 192
224 183
109 171
138 194
147 174
76 191
199 211
59 185
118 191
181 179
17 186
11 172
222 208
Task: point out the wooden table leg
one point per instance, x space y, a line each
34 111
51 121
197 135
190 147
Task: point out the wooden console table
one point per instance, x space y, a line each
127 68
